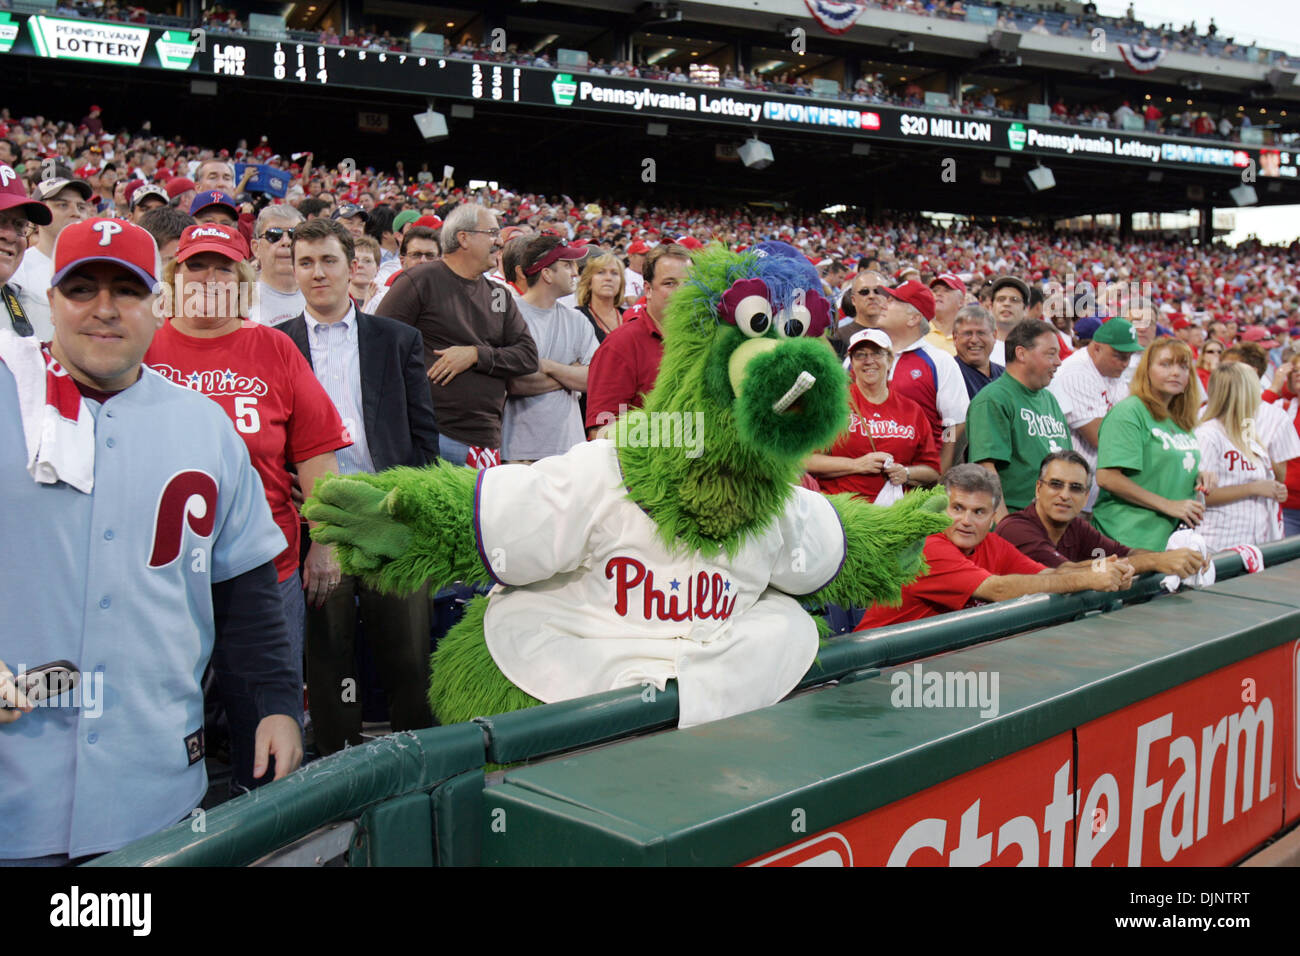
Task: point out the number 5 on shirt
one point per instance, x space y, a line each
246 419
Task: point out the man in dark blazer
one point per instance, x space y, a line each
373 370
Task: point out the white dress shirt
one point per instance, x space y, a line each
336 359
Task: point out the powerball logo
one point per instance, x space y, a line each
564 89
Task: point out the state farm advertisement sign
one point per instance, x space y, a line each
1191 777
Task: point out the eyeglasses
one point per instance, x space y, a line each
275 234
1057 486
421 256
19 226
1008 300
486 232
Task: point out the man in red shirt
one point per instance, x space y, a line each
626 365
970 564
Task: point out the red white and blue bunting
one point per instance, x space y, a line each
1141 59
835 17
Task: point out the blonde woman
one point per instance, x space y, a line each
1245 506
1148 460
278 407
600 290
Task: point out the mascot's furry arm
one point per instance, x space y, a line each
402 527
884 547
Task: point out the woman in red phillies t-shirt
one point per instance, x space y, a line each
279 408
889 439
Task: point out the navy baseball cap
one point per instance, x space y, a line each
213 197
1086 328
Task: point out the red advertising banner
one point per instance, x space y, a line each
1195 776
1016 811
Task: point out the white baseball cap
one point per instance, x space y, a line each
874 336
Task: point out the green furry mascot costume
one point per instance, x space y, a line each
673 550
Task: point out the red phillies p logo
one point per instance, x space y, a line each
189 497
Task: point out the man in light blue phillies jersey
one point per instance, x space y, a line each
137 579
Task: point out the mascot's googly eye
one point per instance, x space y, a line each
794 322
746 306
753 315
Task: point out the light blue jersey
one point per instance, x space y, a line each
119 583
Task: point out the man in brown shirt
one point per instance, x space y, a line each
474 337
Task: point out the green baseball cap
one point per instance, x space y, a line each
1119 334
403 218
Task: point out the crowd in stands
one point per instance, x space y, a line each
1079 390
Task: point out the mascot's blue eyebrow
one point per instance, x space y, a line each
785 277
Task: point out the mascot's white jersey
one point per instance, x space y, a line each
590 599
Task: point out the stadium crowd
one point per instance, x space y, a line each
1115 406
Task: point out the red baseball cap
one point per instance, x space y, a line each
212 237
561 251
14 194
951 281
638 248
178 185
1256 333
690 242
107 240
433 222
915 294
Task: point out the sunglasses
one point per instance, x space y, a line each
877 291
275 234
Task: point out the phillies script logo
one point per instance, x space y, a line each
189 497
1237 461
213 381
699 597
880 428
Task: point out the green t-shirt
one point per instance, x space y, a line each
1160 457
1015 428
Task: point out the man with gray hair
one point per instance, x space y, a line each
973 335
923 372
475 339
970 565
863 304
277 298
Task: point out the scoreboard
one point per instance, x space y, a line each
202 53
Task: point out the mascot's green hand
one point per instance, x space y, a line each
358 519
936 504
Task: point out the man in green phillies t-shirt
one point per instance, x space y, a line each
1015 422
1159 456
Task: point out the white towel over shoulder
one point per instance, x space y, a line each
57 427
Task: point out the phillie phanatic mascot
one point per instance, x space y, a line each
663 552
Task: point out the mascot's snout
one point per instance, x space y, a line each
790 399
